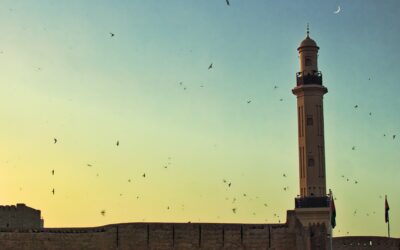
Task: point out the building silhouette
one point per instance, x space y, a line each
307 227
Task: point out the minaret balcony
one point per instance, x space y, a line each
312 202
305 79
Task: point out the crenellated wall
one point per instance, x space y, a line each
366 243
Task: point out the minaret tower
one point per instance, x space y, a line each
310 92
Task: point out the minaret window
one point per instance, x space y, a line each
310 121
311 162
308 61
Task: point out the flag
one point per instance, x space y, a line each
386 210
333 213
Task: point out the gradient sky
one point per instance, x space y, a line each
62 75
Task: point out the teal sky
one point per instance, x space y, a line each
62 75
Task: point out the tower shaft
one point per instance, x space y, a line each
310 91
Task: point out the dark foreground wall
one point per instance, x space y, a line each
366 243
288 236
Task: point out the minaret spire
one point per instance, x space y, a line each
308 30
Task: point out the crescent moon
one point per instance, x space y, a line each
338 10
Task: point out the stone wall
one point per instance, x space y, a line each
138 236
366 243
20 217
289 236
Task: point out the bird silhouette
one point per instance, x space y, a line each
249 101
112 34
353 148
117 143
227 2
210 67
370 113
89 165
168 208
265 205
55 140
103 212
284 175
144 175
129 180
234 210
281 99
229 185
275 87
355 182
53 191
394 136
52 172
356 106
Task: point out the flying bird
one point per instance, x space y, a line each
117 143
144 175
338 10
284 175
112 34
89 165
55 140
394 136
103 212
234 210
210 67
353 148
227 2
53 191
370 113
249 101
275 87
356 106
229 185
52 172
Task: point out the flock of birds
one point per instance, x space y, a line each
168 164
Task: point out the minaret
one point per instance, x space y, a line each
312 208
310 92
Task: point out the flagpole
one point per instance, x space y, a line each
389 229
331 229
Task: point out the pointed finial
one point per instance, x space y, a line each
308 30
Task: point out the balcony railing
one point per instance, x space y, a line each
315 78
310 202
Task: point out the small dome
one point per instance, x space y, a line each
308 42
